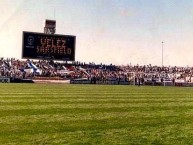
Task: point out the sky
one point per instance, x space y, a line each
120 32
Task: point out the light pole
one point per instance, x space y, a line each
162 52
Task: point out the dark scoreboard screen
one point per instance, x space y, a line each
47 46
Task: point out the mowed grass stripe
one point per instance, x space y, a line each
109 136
101 124
18 94
44 113
58 88
99 115
98 125
98 96
93 105
90 101
75 111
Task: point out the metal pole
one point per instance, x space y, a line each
162 52
54 13
163 60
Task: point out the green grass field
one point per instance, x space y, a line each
43 114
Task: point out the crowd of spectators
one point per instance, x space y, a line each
31 69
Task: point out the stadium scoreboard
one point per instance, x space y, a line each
48 46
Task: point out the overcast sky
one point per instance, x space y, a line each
107 31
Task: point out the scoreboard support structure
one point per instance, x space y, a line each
50 26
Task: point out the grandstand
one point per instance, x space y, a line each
78 72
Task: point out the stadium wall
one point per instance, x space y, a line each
115 82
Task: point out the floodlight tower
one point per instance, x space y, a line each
162 53
50 26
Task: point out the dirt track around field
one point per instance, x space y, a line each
52 81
